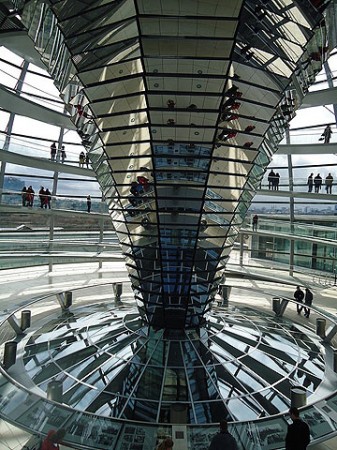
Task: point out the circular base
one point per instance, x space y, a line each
242 365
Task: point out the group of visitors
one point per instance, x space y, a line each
317 182
45 198
308 297
273 180
138 188
297 437
28 194
57 154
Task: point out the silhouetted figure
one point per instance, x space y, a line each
81 159
328 183
308 298
47 198
87 160
271 179
223 440
298 435
53 151
317 183
276 181
42 196
63 154
299 296
249 129
255 222
88 203
327 134
24 196
310 182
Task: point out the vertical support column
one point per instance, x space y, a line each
55 391
291 209
225 292
298 396
9 354
25 319
276 305
10 123
320 327
117 290
241 248
101 233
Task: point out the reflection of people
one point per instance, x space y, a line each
299 296
298 435
255 221
223 439
308 298
167 444
53 439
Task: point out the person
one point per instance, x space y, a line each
166 444
223 439
82 159
88 203
298 434
328 183
310 182
63 154
42 196
327 134
299 296
30 196
317 183
308 298
87 160
255 221
53 151
47 198
144 182
53 439
271 178
24 196
276 181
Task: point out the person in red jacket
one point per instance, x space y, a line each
53 439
